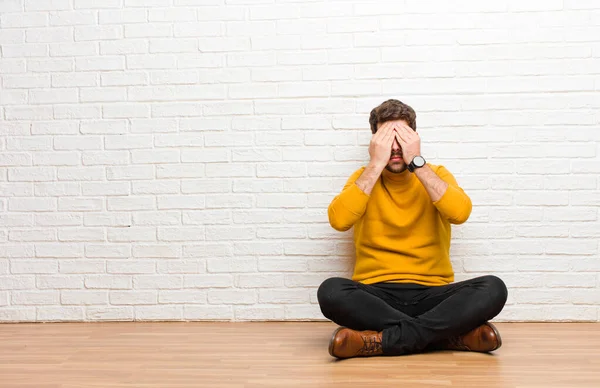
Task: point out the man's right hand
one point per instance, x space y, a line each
380 147
380 150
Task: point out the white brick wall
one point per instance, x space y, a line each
174 159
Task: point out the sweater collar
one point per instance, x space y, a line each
397 178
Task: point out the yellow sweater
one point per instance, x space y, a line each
400 235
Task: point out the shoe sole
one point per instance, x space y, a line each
331 341
497 333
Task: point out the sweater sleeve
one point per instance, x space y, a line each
347 207
455 205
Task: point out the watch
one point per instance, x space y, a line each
417 162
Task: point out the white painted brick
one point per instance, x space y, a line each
147 3
17 282
12 36
50 65
151 61
79 204
24 20
107 219
31 204
113 282
303 312
183 296
37 143
13 97
218 313
156 187
81 266
208 281
59 282
109 314
229 265
32 235
58 219
221 233
180 234
180 171
131 234
199 29
133 297
16 220
177 110
67 73
155 157
87 297
24 50
159 313
80 173
18 314
72 18
26 82
260 313
94 4
158 282
46 35
232 296
182 266
207 250
257 186
157 218
177 14
88 234
130 267
52 250
34 297
91 33
73 50
29 113
15 159
80 111
206 217
157 251
308 248
59 314
259 281
122 16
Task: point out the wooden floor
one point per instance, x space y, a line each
280 355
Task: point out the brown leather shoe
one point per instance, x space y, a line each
484 338
346 343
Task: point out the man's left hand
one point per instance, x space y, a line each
409 141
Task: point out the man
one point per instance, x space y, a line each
401 298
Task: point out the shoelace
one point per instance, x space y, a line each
371 345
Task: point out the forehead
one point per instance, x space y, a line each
400 121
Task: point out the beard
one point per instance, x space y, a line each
396 166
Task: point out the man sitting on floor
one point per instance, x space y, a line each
402 298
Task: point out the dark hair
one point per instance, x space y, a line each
392 110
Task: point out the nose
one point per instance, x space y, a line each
395 145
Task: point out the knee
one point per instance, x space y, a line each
328 294
328 289
497 290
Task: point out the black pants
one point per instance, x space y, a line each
412 317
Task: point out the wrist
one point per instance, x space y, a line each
378 166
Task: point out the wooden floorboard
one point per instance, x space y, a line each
274 354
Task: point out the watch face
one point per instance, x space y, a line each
419 161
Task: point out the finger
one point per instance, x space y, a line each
406 131
381 131
411 132
389 136
403 144
402 135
